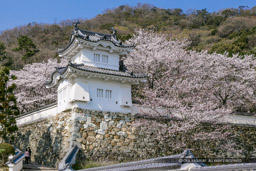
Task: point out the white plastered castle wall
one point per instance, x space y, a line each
86 57
84 93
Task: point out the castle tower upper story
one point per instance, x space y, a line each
95 77
95 49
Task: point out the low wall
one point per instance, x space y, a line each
38 115
232 119
243 120
51 110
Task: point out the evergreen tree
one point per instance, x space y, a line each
27 47
4 60
2 51
8 108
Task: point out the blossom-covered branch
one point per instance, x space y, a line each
31 92
198 86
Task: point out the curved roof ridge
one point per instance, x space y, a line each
94 37
82 67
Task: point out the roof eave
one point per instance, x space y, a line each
71 68
54 81
77 44
106 76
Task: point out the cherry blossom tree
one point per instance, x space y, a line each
31 92
194 86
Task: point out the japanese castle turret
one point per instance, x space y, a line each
95 78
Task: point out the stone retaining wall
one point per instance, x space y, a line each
49 140
110 136
106 135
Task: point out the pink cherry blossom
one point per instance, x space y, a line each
196 86
31 92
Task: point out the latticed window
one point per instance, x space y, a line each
96 57
105 58
99 92
108 94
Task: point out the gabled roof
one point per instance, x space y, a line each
94 37
61 71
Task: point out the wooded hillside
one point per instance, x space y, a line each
231 30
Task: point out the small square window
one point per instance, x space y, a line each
108 94
99 92
96 57
104 59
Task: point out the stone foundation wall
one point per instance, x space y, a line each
105 135
110 136
49 140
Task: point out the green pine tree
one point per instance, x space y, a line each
4 59
2 51
26 47
8 108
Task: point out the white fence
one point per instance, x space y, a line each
233 119
38 115
243 120
49 111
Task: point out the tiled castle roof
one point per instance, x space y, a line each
95 37
82 67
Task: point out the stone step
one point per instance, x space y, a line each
34 167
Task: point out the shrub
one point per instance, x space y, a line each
5 150
214 31
235 25
229 48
